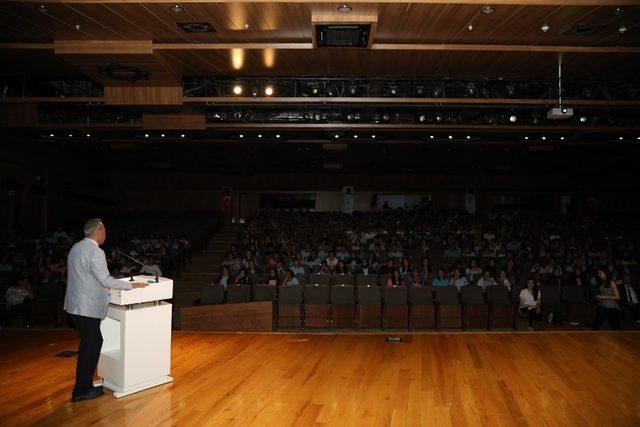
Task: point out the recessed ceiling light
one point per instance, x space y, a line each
259 135
336 136
487 9
344 8
77 27
544 138
545 28
43 9
470 27
237 89
182 135
513 118
562 138
355 136
431 136
583 119
241 136
162 135
278 136
146 135
638 138
622 29
52 135
374 137
450 136
88 135
468 137
621 138
247 26
268 90
176 8
526 137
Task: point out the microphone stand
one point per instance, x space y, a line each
134 260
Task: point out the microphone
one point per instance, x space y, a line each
141 263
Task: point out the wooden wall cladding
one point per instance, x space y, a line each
143 95
240 317
178 121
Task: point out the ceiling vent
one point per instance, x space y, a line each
583 30
335 29
342 35
196 27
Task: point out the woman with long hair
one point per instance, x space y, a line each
607 298
395 279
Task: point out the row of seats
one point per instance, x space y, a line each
347 306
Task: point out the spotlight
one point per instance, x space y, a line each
583 119
638 138
562 138
182 135
176 8
246 26
450 136
314 90
470 28
70 135
545 28
374 137
544 138
336 136
77 27
52 135
422 118
526 138
355 136
146 135
268 90
622 29
431 136
162 135
88 135
621 138
487 9
237 89
241 135
439 118
468 137
278 135
513 118
564 111
344 8
259 135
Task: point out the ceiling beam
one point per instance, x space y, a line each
475 2
93 47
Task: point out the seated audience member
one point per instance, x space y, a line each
395 279
150 267
416 279
405 268
473 271
425 269
440 280
297 267
503 280
364 267
530 298
576 278
486 280
241 278
458 280
331 262
607 298
629 299
492 267
272 278
290 279
555 278
225 277
313 262
253 269
341 268
394 252
18 298
388 268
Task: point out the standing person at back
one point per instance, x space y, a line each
87 300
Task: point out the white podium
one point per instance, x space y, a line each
136 348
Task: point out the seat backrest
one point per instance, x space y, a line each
472 294
498 295
574 294
369 295
238 293
254 279
320 279
422 295
395 296
302 278
344 279
550 294
211 294
316 294
343 294
264 293
290 295
367 279
447 295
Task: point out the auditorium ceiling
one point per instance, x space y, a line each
139 54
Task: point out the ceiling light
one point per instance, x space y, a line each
43 9
77 27
618 11
176 8
247 26
513 118
431 136
374 137
450 136
422 118
622 29
470 28
468 137
438 118
237 89
182 135
583 119
88 135
344 8
545 28
526 137
621 138
259 135
146 135
544 138
487 9
52 135
638 138
277 135
268 90
162 135
241 136
355 136
336 136
70 135
562 138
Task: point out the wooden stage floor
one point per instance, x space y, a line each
540 378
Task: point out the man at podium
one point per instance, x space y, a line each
87 300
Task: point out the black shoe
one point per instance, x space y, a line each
91 394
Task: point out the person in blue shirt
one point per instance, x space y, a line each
440 280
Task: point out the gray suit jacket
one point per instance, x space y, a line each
88 281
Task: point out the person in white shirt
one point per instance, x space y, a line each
530 299
458 280
486 280
150 267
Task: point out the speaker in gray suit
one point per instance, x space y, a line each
87 300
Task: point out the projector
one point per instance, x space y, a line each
560 113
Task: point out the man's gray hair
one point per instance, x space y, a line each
91 226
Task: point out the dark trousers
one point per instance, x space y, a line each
25 311
530 313
88 352
610 314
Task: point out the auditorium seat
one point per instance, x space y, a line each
290 307
551 302
578 309
343 306
212 294
395 311
448 309
367 280
475 311
369 309
238 293
422 311
302 278
264 293
502 311
320 279
344 279
316 306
